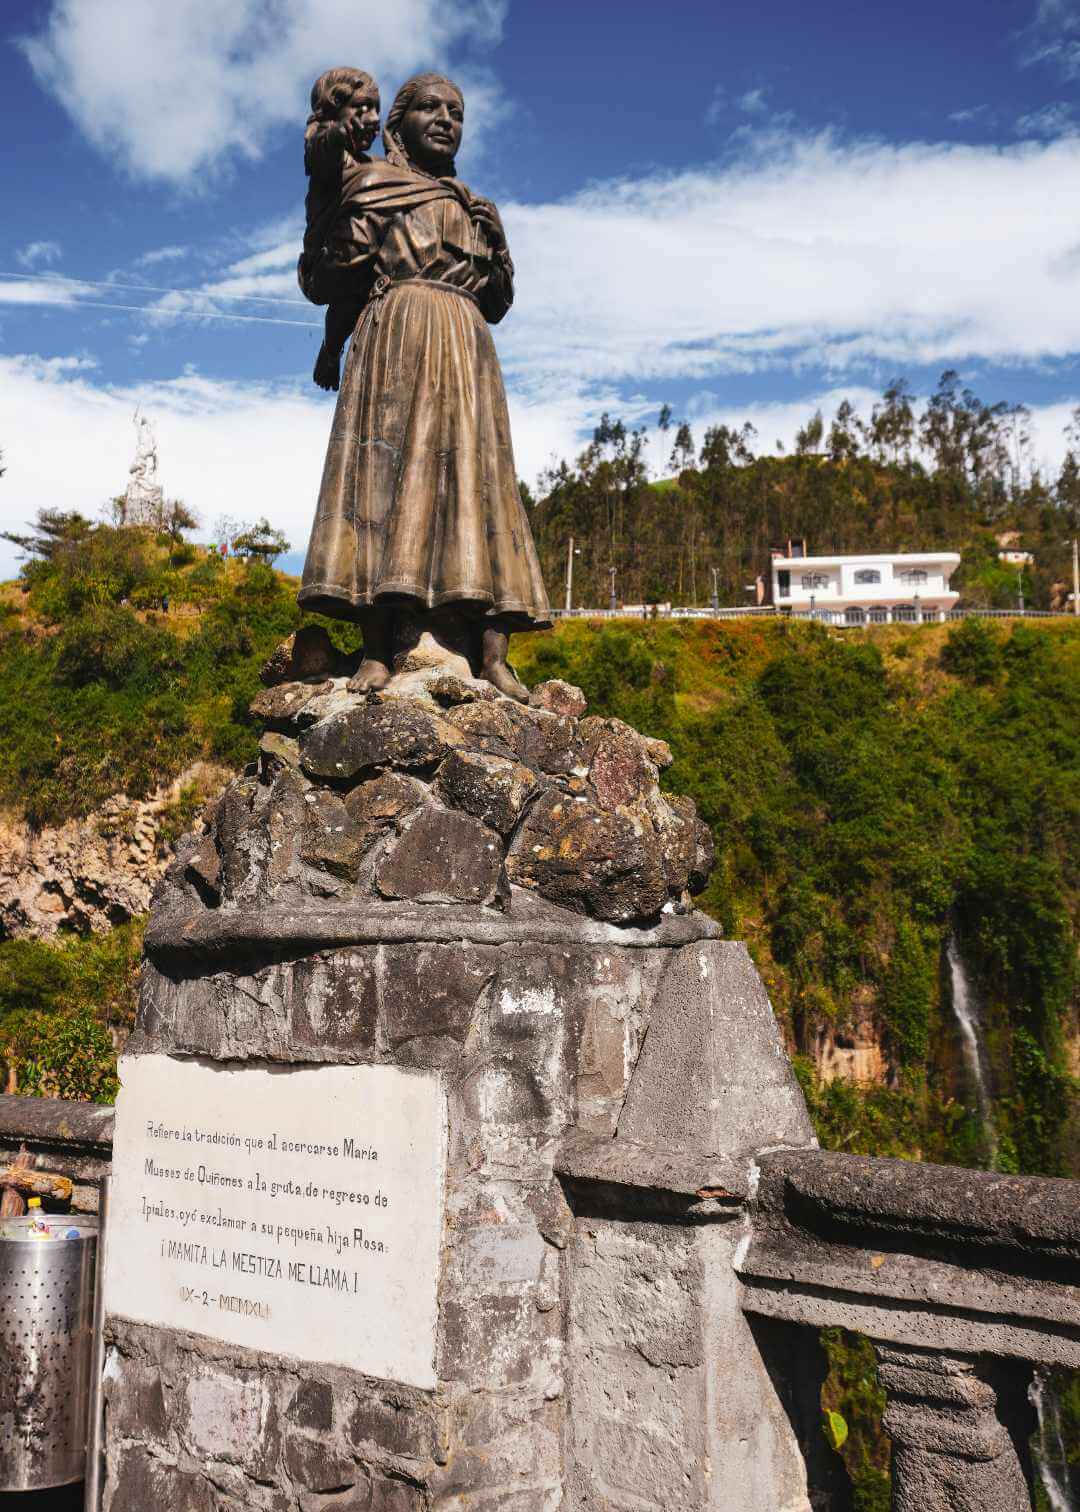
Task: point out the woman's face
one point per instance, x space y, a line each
361 113
431 127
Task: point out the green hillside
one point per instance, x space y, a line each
872 793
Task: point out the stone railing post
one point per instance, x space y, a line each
955 1422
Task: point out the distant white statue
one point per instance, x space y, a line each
144 501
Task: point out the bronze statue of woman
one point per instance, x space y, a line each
419 505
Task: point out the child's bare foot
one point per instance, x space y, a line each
327 372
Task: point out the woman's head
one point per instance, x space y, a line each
349 95
423 128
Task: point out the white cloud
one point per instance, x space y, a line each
42 291
158 255
806 251
282 254
68 441
803 252
37 252
175 89
219 442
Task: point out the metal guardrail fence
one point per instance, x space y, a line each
821 616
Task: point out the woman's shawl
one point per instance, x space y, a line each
372 188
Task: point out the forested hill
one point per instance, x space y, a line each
955 474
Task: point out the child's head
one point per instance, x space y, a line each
350 96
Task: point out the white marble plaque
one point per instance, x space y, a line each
295 1209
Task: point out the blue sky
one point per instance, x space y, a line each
746 210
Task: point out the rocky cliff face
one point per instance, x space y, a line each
92 873
853 1051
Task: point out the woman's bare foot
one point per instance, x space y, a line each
374 671
370 676
496 670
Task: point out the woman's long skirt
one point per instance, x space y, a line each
419 499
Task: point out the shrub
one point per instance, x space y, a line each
973 652
908 993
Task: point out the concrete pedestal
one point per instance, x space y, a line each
608 1088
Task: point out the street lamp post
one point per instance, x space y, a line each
571 553
918 611
715 592
1020 588
813 606
614 603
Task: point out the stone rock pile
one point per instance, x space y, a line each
450 793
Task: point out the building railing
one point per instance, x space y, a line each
74 1138
965 1282
874 615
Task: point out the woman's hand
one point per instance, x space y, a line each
485 214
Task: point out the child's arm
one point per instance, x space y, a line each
325 144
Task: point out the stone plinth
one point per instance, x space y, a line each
497 897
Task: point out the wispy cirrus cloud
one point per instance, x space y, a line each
1057 119
726 106
1053 37
159 255
970 115
224 77
38 254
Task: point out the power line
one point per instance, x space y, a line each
92 283
151 310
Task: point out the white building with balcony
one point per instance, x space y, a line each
854 590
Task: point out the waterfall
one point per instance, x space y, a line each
967 1017
1048 1446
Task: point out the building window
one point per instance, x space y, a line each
913 576
904 613
783 584
868 575
877 616
853 615
815 580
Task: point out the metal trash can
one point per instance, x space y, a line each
46 1322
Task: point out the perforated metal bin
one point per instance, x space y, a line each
46 1315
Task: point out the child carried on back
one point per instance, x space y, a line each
341 127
